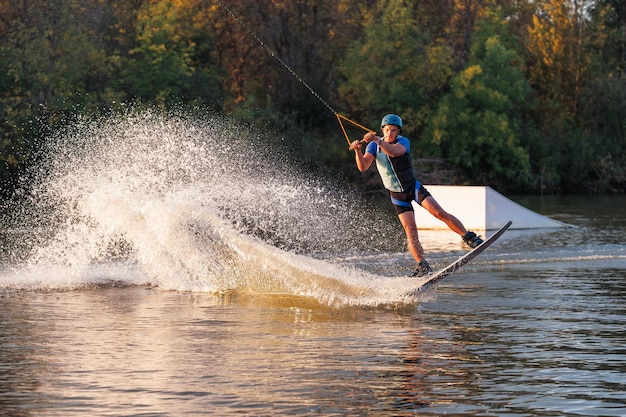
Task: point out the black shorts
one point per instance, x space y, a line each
402 200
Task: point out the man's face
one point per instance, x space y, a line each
391 132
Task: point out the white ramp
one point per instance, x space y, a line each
480 208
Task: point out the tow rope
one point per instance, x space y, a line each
297 77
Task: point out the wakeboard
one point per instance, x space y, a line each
439 275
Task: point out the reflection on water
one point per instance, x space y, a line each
513 341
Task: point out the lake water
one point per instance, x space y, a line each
127 288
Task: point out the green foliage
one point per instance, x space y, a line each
394 68
478 124
171 60
522 95
576 66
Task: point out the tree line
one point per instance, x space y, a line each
526 96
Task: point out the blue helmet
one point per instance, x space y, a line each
391 119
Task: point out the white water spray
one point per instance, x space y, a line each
194 204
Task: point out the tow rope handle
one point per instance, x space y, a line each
339 117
